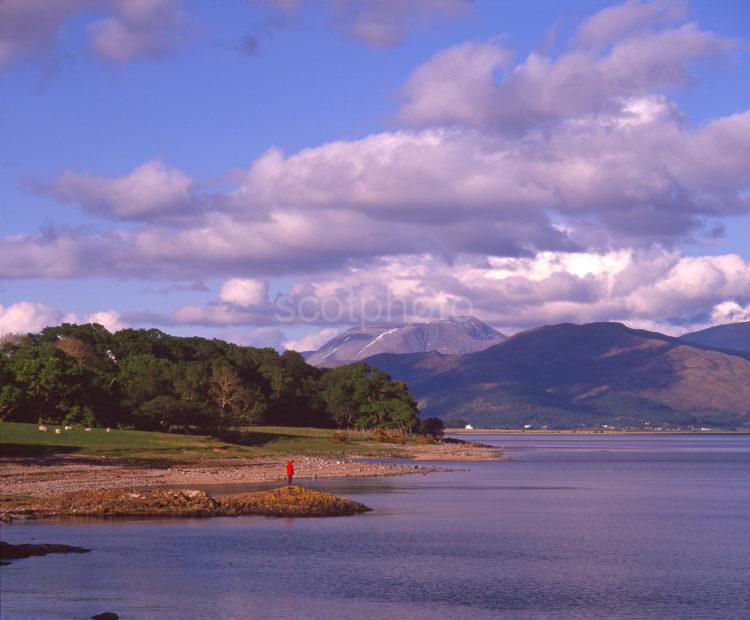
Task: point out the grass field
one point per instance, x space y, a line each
18 439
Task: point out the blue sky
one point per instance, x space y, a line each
99 89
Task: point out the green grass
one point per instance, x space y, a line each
24 440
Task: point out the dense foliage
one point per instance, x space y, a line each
146 379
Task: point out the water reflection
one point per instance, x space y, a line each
574 526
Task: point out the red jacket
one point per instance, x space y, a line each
289 468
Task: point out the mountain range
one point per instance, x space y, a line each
571 375
452 335
734 336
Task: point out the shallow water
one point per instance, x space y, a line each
573 526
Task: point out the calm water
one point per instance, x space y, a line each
621 526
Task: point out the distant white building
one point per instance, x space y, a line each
527 425
469 427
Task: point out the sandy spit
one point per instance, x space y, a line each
71 473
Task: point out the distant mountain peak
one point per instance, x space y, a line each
449 335
568 375
734 336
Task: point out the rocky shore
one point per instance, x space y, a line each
288 501
68 473
71 473
10 552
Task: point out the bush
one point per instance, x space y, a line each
385 436
432 427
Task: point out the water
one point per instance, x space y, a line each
573 526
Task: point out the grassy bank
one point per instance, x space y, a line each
25 440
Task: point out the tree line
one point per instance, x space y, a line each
146 379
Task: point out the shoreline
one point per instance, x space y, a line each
513 431
61 474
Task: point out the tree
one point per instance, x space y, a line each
11 395
231 397
357 395
148 379
431 426
77 349
51 381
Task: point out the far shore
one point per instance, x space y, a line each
587 431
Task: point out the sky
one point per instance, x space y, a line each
273 172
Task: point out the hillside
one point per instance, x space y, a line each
731 336
461 334
567 375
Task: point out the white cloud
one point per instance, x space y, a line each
631 17
151 190
110 319
312 341
25 316
583 80
628 179
654 288
556 194
730 312
244 292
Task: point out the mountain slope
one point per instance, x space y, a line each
566 375
731 336
462 334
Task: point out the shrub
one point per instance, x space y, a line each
431 427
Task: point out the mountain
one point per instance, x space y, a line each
731 336
567 375
455 334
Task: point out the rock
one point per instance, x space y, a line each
287 501
290 501
107 615
9 551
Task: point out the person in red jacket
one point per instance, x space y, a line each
289 471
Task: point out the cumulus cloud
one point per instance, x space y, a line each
25 316
640 161
311 341
637 176
151 190
110 319
244 292
653 289
615 22
730 312
586 79
558 193
462 75
632 178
